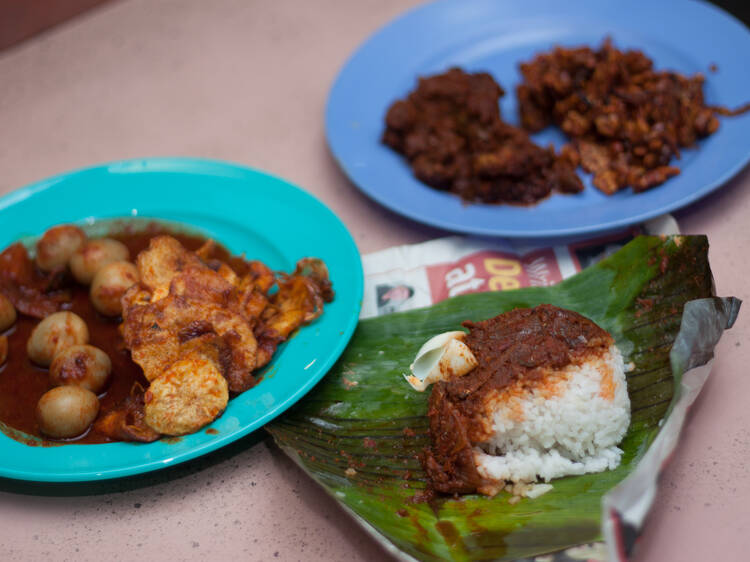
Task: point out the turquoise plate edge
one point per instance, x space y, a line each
302 361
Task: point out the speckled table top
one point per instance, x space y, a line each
247 82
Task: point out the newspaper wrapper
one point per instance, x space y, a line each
414 276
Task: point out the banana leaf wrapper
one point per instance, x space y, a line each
360 431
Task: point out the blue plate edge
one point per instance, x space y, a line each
463 228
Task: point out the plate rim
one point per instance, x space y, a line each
601 227
189 165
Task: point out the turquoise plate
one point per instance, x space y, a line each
247 211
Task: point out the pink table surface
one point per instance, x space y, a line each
247 82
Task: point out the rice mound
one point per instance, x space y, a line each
570 423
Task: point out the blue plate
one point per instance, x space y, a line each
247 211
495 36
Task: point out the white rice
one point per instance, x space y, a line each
570 423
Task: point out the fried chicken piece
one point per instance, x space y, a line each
189 395
201 284
315 269
150 337
298 301
193 317
207 250
164 258
190 299
167 267
238 348
156 334
251 291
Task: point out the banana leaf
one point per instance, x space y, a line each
360 431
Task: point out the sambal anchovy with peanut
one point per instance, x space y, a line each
626 120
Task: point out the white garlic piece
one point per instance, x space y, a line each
441 358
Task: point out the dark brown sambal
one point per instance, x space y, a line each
451 131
